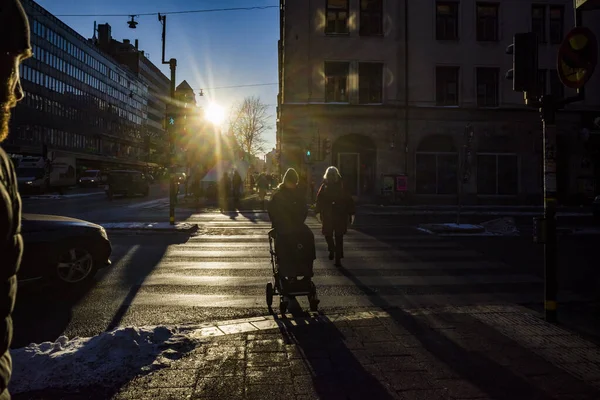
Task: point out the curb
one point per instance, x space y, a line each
150 227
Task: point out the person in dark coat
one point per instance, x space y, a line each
335 208
288 211
14 48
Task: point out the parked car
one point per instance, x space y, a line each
126 183
62 250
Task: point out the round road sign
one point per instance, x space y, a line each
577 57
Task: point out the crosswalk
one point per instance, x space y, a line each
227 264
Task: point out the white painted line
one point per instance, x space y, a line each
160 279
322 263
148 203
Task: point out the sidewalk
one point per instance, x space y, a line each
374 209
476 352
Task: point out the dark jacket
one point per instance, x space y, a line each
287 210
11 250
335 206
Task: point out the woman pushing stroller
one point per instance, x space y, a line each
336 208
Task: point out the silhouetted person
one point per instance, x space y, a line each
14 48
336 209
236 181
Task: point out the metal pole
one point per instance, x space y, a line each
172 187
550 192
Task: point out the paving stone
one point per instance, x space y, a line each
225 352
208 332
266 334
268 324
364 357
303 384
320 367
266 359
266 375
228 367
367 322
159 393
398 363
426 394
266 345
562 383
387 349
459 389
269 391
299 367
237 328
532 366
220 388
165 378
408 380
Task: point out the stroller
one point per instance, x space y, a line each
292 271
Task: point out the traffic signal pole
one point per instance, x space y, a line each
548 114
170 127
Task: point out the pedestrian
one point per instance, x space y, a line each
236 181
262 186
14 48
287 212
334 209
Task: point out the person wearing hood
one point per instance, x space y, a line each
288 211
334 208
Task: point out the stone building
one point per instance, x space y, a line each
394 85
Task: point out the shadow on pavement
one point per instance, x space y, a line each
140 266
336 373
472 351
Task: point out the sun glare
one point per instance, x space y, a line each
215 113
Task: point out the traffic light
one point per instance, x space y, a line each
308 156
524 72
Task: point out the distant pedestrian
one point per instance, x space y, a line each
335 209
262 185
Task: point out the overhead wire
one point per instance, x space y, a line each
170 12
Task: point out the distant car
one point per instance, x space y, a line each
126 183
91 177
596 208
62 250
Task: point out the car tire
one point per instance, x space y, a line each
76 265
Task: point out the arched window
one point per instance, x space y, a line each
436 166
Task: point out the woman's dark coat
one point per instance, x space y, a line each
335 206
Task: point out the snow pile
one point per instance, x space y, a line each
451 229
111 358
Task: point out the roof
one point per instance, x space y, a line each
184 86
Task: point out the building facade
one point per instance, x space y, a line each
78 101
129 55
395 85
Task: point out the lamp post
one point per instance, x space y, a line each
170 126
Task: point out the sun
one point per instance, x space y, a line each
215 113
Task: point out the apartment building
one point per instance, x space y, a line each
395 84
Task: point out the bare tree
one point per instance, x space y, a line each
248 123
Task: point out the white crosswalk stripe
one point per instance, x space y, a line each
407 269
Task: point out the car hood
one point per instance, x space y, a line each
49 222
26 178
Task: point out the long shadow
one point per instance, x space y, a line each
139 267
490 377
335 371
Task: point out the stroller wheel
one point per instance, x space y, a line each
313 300
283 307
269 293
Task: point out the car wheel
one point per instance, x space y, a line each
76 265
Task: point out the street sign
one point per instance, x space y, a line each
587 5
577 57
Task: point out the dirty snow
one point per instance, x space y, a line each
459 226
108 359
148 225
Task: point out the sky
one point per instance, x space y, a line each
213 49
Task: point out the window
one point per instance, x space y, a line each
371 17
337 16
446 86
487 22
487 87
497 174
446 20
557 89
336 82
370 82
436 166
538 22
556 24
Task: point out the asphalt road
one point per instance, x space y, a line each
220 273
